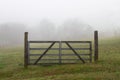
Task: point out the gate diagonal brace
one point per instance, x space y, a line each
75 52
44 53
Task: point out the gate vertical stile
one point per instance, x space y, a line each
28 52
60 54
90 51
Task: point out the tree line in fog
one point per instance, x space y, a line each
69 30
13 33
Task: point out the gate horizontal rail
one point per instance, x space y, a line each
58 48
58 59
58 54
59 41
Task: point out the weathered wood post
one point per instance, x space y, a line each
26 49
95 45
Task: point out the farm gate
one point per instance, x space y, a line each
59 52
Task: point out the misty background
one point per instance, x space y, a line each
58 19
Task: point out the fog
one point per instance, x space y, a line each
58 19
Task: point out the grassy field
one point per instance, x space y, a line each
107 68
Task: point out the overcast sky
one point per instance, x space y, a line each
98 13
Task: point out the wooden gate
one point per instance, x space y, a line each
56 52
60 52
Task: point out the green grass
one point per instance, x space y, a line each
107 68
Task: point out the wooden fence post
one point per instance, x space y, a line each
95 45
26 49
